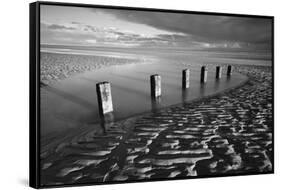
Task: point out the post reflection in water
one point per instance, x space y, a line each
202 89
155 103
228 77
106 122
216 84
184 95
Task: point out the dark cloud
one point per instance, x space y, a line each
92 28
204 27
60 27
74 22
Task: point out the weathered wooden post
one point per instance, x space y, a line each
185 78
229 70
218 72
104 98
204 72
155 85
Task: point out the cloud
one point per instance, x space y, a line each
60 27
186 30
91 41
80 33
204 27
74 22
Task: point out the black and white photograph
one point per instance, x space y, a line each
134 94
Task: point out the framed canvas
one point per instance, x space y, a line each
121 94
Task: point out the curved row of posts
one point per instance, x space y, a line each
104 90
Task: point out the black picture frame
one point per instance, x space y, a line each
34 83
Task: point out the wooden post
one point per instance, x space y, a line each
155 85
229 70
185 78
218 72
204 72
104 98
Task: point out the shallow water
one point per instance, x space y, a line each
72 102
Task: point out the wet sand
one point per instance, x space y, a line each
59 66
229 133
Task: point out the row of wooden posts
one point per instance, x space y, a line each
104 90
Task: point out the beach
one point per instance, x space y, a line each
149 95
229 132
59 66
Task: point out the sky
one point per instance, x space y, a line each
62 25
